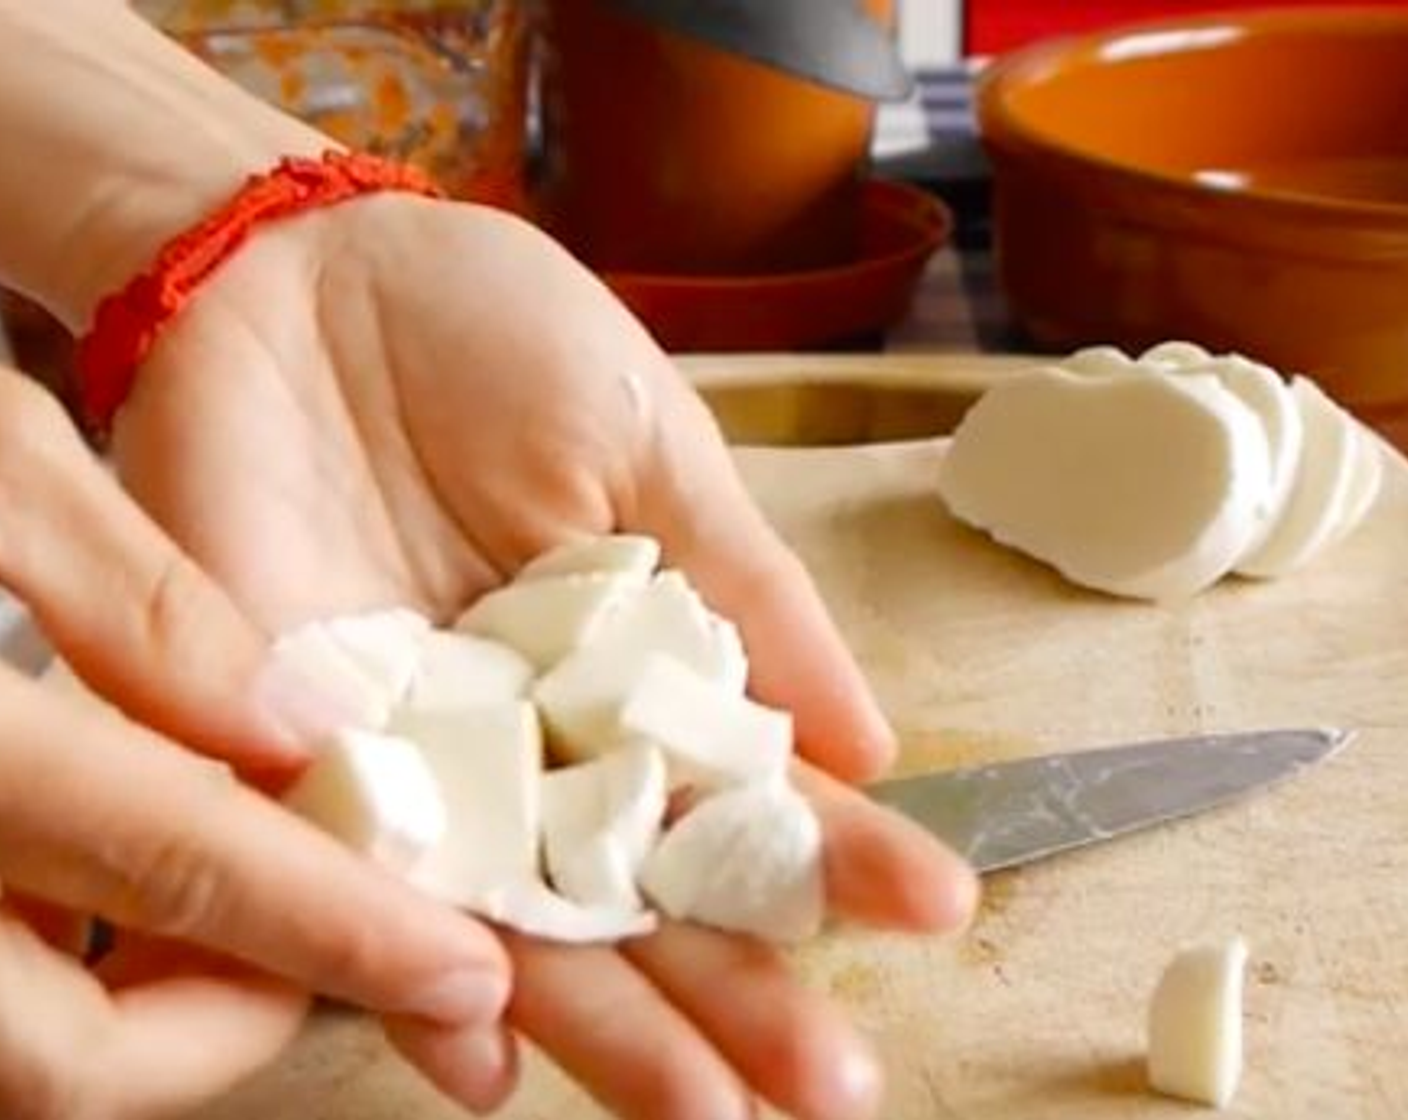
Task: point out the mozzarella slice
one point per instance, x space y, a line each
748 859
1175 355
1366 481
1195 1024
1145 486
600 820
581 697
459 670
363 661
486 761
1100 361
531 908
712 737
1319 497
622 554
545 619
376 794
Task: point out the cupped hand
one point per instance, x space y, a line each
229 909
401 401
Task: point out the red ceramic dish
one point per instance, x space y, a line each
901 226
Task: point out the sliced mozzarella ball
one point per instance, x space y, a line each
748 859
487 761
376 794
581 697
1143 486
531 908
365 662
1365 482
545 619
459 671
712 737
600 820
622 554
1175 354
1100 361
1319 497
1195 1024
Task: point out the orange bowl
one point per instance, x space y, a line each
1240 181
900 227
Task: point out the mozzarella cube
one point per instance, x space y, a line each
747 860
530 907
1195 1024
460 671
376 795
545 619
486 760
581 697
623 554
712 737
600 820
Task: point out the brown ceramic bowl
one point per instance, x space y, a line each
1238 181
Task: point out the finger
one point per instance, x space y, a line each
614 1033
59 928
477 1067
107 818
709 526
791 1045
68 1048
137 620
882 869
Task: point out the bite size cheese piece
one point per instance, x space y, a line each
1366 480
375 794
1175 354
712 737
365 661
1144 486
748 859
486 761
545 619
459 670
1195 1024
600 820
581 697
530 907
621 553
1100 361
1319 497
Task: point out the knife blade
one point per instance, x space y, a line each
1011 813
828 41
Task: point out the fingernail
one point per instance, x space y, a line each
302 712
467 995
474 1066
858 1087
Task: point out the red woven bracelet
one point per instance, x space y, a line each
127 323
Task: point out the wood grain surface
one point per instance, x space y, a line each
979 654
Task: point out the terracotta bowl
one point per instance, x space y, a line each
1238 181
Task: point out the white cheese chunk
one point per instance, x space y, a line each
1366 481
1195 1024
712 737
600 820
1175 355
1100 361
531 908
1320 493
376 795
460 670
365 662
487 761
748 860
1145 486
581 697
545 619
635 557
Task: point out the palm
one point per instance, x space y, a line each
447 397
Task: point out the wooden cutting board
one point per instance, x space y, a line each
980 655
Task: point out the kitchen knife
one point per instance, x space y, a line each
1014 812
832 42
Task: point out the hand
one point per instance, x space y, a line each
400 401
230 910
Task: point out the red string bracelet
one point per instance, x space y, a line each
127 323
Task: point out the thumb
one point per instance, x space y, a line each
134 616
